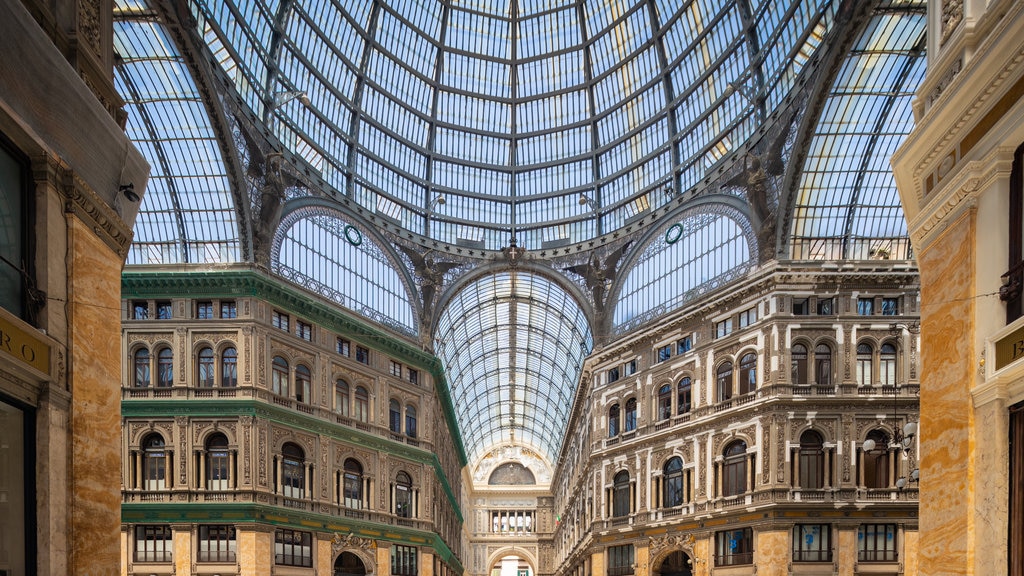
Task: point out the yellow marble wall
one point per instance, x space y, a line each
383 558
597 567
771 552
182 539
94 378
323 559
255 551
703 556
948 358
642 560
910 552
846 550
426 562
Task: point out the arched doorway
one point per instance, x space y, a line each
348 564
511 565
676 564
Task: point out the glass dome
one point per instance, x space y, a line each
471 122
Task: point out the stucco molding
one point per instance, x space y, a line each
93 211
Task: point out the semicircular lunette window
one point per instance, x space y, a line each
847 205
188 212
513 345
695 255
329 256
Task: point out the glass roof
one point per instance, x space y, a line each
513 345
549 121
188 212
847 204
554 122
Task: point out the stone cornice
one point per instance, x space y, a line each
261 514
285 417
239 282
93 211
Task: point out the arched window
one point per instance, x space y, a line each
876 461
395 416
204 377
410 420
620 495
887 365
165 368
665 402
864 354
341 397
613 420
293 471
672 475
362 407
723 381
303 384
154 463
229 368
352 491
734 469
403 495
748 373
798 364
217 462
811 461
823 365
630 423
279 376
141 361
685 400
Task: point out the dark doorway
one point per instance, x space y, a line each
348 564
676 564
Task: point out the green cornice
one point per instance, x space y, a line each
240 282
245 407
200 512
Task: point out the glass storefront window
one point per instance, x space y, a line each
13 526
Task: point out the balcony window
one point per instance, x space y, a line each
684 397
734 469
620 495
630 423
798 364
665 402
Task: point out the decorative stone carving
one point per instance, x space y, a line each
683 542
952 15
349 541
213 337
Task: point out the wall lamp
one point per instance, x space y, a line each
282 98
129 192
439 201
584 201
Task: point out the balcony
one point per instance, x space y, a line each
251 393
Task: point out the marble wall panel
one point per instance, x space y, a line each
95 377
772 552
947 422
